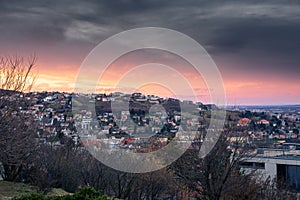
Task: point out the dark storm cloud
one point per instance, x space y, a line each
268 29
263 34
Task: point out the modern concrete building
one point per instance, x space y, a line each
281 164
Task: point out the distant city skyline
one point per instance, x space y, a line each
255 44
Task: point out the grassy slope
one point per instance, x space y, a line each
11 189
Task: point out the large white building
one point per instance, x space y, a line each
280 164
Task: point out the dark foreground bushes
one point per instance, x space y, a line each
86 193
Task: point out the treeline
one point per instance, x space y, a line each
71 168
217 176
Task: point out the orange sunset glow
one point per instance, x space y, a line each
240 88
258 61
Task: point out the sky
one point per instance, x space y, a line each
255 44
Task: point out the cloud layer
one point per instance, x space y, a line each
248 38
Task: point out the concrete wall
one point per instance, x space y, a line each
271 164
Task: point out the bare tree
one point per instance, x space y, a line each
155 185
121 183
58 166
16 76
16 73
17 143
92 172
217 175
17 129
275 190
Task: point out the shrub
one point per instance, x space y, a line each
31 197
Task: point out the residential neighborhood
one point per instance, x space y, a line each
149 123
53 112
